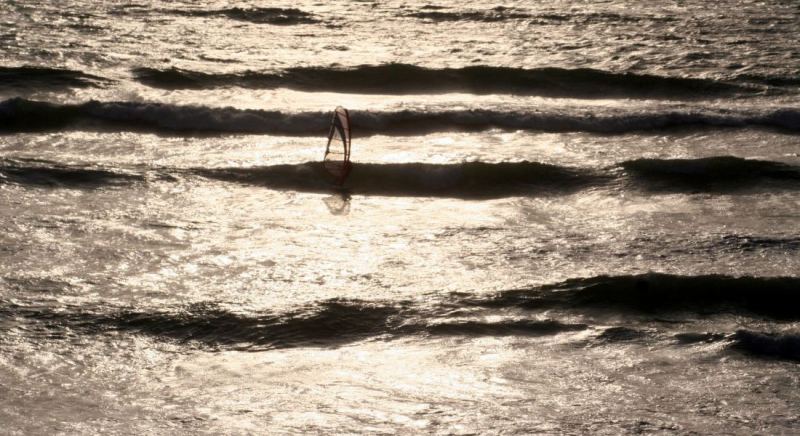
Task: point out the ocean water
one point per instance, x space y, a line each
565 217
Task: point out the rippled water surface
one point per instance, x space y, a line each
563 218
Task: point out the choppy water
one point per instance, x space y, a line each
564 217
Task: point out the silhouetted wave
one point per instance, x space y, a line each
20 115
713 174
437 14
499 13
501 328
428 13
327 323
689 338
49 174
601 17
411 79
776 297
464 180
467 180
768 345
31 77
621 334
275 16
490 180
765 345
772 80
754 242
340 321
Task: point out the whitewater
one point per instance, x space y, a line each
563 218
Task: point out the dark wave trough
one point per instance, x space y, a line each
412 79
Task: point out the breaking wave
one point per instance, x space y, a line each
411 79
20 115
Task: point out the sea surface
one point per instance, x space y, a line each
564 217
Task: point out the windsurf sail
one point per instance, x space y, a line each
337 152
